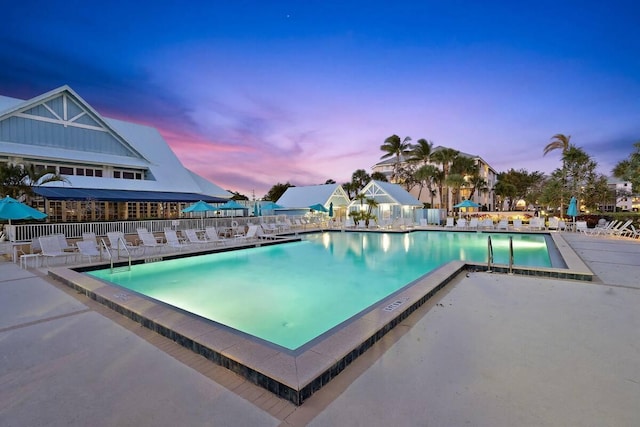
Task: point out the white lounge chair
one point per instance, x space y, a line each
192 237
251 234
87 248
517 224
503 224
449 223
51 249
214 237
120 247
172 240
581 227
148 241
473 223
462 223
487 223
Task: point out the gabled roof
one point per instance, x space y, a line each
386 192
56 113
303 197
116 143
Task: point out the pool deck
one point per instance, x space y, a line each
488 350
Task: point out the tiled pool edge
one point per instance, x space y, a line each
296 377
308 379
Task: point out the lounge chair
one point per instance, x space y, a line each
462 223
192 237
251 234
87 248
503 224
51 249
149 242
536 223
449 223
473 223
90 236
553 223
581 227
262 234
63 243
619 230
517 224
120 247
601 228
214 237
487 223
172 240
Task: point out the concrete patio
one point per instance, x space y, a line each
488 350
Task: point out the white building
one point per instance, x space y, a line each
484 198
115 169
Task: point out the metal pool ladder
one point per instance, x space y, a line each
121 244
490 254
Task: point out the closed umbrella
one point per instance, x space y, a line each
331 210
572 210
10 209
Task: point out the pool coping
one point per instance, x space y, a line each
291 375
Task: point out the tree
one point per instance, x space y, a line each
237 195
629 169
360 178
421 151
379 176
455 182
559 142
394 146
444 157
19 180
329 181
524 185
426 175
277 191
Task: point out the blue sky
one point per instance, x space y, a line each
250 93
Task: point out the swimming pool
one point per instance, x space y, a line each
291 294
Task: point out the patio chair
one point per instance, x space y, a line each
148 241
462 223
51 249
473 224
87 248
89 236
449 223
581 227
517 224
172 240
251 234
120 246
487 223
266 233
64 244
214 237
192 237
503 224
553 223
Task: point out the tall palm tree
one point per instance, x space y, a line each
559 141
444 157
394 146
421 151
425 176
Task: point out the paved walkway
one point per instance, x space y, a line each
489 350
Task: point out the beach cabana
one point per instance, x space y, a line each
394 202
297 200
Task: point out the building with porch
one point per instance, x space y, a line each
484 197
114 170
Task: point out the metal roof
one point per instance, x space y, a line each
104 195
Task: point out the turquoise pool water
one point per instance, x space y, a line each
291 293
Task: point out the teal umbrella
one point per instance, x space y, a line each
270 206
10 209
467 204
232 205
572 210
331 210
256 209
201 207
318 207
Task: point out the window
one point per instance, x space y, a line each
98 173
64 170
116 174
127 175
89 172
80 171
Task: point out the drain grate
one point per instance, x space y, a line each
395 304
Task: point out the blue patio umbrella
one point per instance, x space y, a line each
467 204
318 207
201 207
10 209
232 205
331 210
572 210
270 206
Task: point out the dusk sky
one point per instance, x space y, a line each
251 93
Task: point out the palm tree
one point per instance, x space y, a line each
394 146
19 180
425 176
421 152
444 157
455 181
359 179
378 176
559 141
